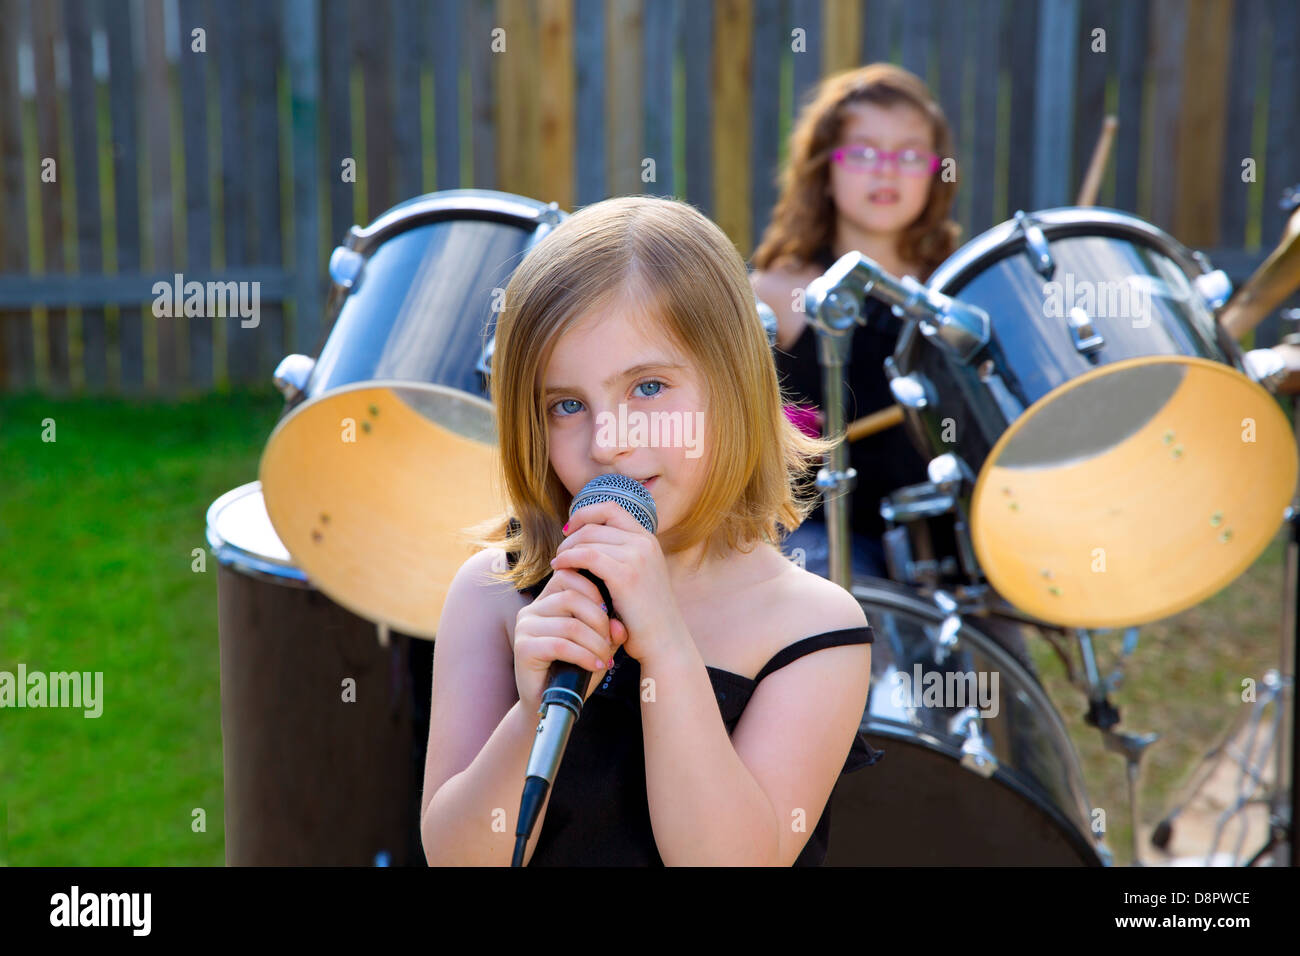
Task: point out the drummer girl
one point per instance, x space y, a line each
866 172
632 308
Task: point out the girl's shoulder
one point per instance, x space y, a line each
795 604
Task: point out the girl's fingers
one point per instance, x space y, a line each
575 632
566 579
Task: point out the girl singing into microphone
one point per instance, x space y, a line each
865 172
728 690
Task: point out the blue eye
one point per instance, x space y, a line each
656 391
565 401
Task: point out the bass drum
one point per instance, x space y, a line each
323 726
978 767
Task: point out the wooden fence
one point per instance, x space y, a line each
142 138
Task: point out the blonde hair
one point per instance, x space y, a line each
675 264
803 221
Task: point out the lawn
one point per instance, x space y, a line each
97 535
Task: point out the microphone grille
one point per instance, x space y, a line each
624 491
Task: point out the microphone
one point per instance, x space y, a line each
566 682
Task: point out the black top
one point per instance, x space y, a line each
599 814
885 461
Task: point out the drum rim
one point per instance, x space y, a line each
487 204
252 563
1054 222
906 599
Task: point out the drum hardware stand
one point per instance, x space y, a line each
1276 688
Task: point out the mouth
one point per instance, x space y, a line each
648 483
885 196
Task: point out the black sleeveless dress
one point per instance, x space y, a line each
599 814
885 461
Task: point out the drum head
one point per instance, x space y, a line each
1133 492
373 484
242 537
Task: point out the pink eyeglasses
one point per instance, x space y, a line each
915 162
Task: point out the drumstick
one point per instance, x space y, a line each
1096 168
875 422
1269 287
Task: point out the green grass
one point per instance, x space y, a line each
97 534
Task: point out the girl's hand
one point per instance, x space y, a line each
608 542
564 623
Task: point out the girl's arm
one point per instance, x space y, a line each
751 799
479 733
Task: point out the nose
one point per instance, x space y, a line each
607 444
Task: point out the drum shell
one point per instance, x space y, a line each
919 805
969 405
391 321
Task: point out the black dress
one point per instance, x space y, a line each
885 461
599 814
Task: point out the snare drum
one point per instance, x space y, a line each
1121 464
387 447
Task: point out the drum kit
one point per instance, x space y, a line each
1101 452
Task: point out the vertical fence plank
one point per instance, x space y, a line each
233 34
1282 168
806 15
169 332
697 54
952 71
122 108
45 33
881 21
982 166
85 155
845 26
301 32
447 38
17 356
1166 77
198 204
623 102
1058 36
263 170
479 24
336 70
555 53
769 46
516 76
659 24
1131 57
731 127
1201 125
1090 88
1020 51
589 100
406 50
1243 61
370 28
918 36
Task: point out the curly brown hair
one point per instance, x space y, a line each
803 223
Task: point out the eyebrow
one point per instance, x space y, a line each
626 373
871 141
